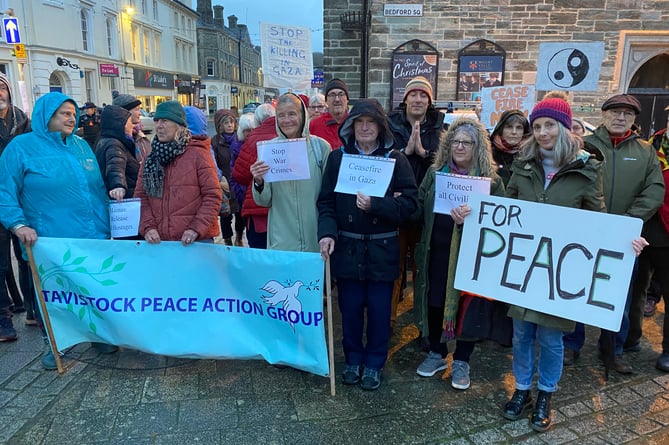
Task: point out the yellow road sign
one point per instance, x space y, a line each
20 50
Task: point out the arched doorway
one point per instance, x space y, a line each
55 83
650 84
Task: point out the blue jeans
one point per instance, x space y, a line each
525 335
354 297
621 335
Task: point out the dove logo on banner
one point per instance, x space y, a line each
569 66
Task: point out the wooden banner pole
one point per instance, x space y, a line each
328 294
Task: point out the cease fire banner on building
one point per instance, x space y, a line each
197 301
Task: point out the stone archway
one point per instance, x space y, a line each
59 81
642 69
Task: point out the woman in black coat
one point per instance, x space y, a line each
115 152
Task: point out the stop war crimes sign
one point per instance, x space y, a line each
571 263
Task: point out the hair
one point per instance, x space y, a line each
290 98
565 149
229 118
317 99
482 161
246 122
263 112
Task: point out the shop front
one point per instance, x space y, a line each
153 87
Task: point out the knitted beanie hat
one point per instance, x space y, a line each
419 83
126 101
554 108
336 84
171 110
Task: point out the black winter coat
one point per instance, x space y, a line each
115 152
357 259
222 155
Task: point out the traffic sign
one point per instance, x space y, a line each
20 50
12 34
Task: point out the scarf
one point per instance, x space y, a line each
501 145
162 153
548 163
662 153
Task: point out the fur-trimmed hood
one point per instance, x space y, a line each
483 164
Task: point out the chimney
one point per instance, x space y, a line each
232 20
219 21
204 9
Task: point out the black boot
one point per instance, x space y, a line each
541 417
520 402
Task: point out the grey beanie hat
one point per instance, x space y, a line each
126 101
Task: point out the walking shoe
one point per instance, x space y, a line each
662 362
351 375
570 356
239 241
371 379
541 417
49 361
650 307
432 364
7 331
621 366
517 407
460 375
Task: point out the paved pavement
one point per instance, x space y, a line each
135 398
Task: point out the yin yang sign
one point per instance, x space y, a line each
568 67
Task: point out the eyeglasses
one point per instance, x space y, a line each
626 113
316 107
466 144
336 95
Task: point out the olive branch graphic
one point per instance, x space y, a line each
77 266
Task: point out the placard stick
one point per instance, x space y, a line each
328 294
45 314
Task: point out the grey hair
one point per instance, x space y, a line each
246 122
317 98
263 112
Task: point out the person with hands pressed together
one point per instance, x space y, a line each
178 185
360 235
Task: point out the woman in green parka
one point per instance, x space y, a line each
442 313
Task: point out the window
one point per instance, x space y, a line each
155 10
85 30
113 83
156 49
147 48
145 10
88 82
134 37
110 30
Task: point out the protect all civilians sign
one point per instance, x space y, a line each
402 10
571 263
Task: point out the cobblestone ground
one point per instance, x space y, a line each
135 398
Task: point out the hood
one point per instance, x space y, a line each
372 108
218 119
504 118
45 107
196 120
482 154
4 80
305 124
112 121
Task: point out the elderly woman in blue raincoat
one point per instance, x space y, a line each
52 184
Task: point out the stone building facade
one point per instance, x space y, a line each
635 35
228 62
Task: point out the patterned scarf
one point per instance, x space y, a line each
501 145
662 153
162 153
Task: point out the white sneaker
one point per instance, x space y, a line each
432 364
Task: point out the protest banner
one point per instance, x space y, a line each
569 66
198 301
287 159
496 100
124 217
286 56
452 190
370 175
571 263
